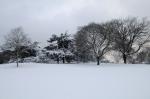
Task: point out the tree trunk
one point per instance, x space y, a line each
63 60
57 60
125 58
98 60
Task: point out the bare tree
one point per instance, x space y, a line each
15 40
97 39
129 35
82 49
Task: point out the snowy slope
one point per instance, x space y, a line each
74 81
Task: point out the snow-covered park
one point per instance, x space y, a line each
74 81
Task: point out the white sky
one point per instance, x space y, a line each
41 18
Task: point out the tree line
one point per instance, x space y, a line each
127 37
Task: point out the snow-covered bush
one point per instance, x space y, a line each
60 48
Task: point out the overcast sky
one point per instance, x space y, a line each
41 18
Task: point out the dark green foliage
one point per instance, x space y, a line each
60 48
25 51
5 56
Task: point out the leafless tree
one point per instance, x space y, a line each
129 35
96 39
15 40
82 49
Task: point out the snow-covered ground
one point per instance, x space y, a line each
74 81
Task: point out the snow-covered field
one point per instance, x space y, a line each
74 81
